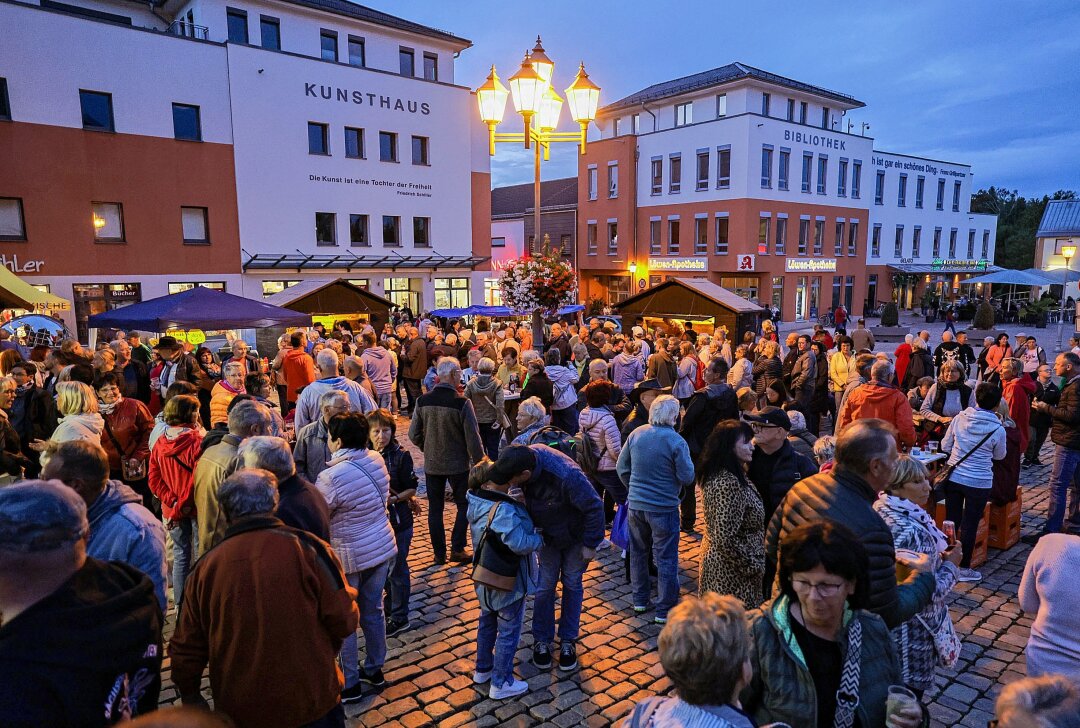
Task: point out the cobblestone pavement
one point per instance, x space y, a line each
429 668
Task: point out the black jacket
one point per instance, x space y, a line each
1065 429
39 419
790 467
76 657
707 407
766 370
563 345
141 390
399 464
1049 394
302 506
539 385
921 365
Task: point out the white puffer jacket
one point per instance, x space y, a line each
356 485
599 424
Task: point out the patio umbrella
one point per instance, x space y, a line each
198 308
1013 277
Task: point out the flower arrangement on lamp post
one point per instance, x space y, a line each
538 285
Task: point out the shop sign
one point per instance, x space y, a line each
641 284
744 263
679 264
16 266
942 263
196 336
810 265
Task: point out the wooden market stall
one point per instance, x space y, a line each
329 301
702 302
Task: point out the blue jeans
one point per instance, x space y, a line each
1064 477
658 531
369 585
384 400
570 564
399 580
497 637
184 534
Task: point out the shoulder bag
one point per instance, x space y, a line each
945 474
494 564
129 472
946 642
502 420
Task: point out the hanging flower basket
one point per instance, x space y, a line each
542 283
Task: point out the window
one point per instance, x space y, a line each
492 292
875 242
451 292
802 112
404 291
765 104
391 230
635 124
856 179
723 167
952 243
684 113
354 143
357 54
702 170
722 227
612 237
901 191
358 231
615 127
879 189
701 236
406 62
916 241
97 112
841 178
673 236
326 228
5 103
853 237
804 235
420 151
590 238
318 138
764 221
721 105
237 22
791 109
108 221
387 146
822 173
956 197
195 222
766 165
657 175
431 67
898 242
819 235
328 43
920 185
785 169
421 232
613 180
675 174
12 223
807 163
985 245
186 123
498 242
181 287
269 288
937 243
590 178
941 194
270 32
838 247
971 244
824 117
781 235
655 244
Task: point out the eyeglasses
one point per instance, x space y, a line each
824 590
759 428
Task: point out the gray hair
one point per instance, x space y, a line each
327 359
331 397
1047 701
248 492
664 411
353 361
918 343
824 448
598 368
249 418
908 338
862 442
268 453
447 367
534 408
528 355
486 366
882 371
798 420
952 365
1012 365
232 365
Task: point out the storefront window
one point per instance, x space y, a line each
800 298
849 289
815 296
451 292
745 286
837 285
492 292
91 298
269 288
618 288
778 292
178 287
364 283
404 292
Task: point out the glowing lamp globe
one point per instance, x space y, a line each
527 89
583 96
491 98
544 66
550 108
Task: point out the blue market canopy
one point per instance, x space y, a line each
496 311
1013 277
1059 275
198 308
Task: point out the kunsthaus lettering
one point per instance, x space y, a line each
375 101
801 137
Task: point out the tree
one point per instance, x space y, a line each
1018 221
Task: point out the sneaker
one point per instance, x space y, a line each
509 690
969 575
640 610
394 627
568 657
541 655
480 678
374 679
663 620
354 694
460 556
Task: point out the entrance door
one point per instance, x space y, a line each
800 298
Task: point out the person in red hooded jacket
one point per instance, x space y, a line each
1018 390
903 358
171 479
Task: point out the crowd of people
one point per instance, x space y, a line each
285 529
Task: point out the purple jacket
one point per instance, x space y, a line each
380 367
627 371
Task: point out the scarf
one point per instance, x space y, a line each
107 409
24 388
229 387
914 512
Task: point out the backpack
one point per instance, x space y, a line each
578 448
699 376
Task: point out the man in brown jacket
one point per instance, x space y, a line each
414 365
272 660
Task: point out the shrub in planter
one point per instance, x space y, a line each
984 317
890 315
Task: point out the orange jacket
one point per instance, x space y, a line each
884 402
299 371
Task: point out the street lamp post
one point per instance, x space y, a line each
539 106
1067 252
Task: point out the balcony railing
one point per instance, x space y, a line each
189 30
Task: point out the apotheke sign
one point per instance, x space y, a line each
810 265
678 264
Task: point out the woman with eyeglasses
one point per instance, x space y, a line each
814 640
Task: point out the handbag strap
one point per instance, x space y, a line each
847 696
971 452
483 536
115 442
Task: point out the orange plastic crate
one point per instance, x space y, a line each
978 554
1005 523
